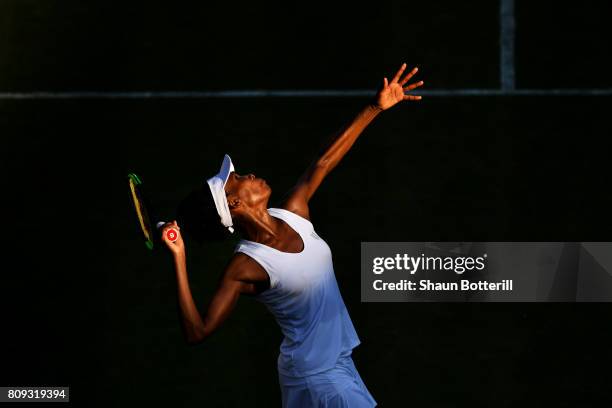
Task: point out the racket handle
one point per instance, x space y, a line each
171 234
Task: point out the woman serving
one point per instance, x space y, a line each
284 264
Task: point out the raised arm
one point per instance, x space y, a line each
235 281
390 94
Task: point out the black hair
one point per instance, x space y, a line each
197 215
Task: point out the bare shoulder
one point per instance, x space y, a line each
296 204
249 273
242 267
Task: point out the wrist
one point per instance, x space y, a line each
179 255
375 107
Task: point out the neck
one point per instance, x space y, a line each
259 226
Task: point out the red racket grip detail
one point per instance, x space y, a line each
172 235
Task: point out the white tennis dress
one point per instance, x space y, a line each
315 365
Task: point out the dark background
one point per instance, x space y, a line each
84 304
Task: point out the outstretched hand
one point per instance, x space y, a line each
392 92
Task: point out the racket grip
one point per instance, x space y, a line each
171 234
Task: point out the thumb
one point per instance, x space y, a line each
385 82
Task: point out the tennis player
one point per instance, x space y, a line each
283 263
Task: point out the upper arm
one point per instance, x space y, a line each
298 197
238 278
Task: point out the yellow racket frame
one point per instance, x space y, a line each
141 212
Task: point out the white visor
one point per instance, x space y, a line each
217 188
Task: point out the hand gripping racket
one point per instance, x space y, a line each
142 212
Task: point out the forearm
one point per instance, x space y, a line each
190 317
343 140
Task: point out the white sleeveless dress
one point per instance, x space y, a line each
315 365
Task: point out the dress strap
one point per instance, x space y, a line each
296 222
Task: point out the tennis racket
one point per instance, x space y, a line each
142 212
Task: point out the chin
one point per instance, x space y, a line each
267 191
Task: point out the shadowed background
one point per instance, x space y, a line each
85 304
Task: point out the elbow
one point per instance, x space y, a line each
323 163
194 340
196 337
322 166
